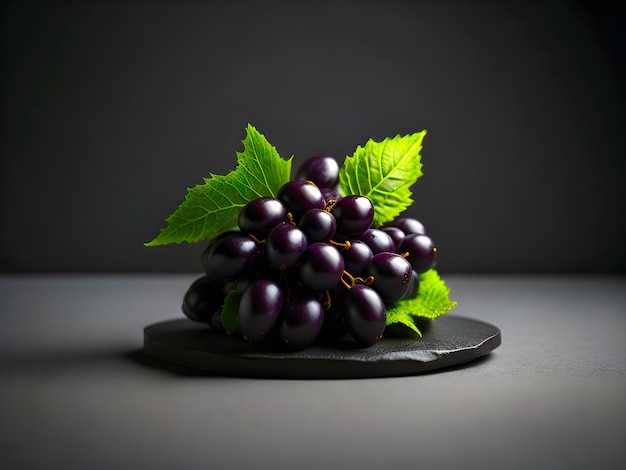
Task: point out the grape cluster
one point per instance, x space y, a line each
309 264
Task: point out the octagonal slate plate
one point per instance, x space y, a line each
447 341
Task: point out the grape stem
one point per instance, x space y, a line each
257 240
348 280
330 204
345 245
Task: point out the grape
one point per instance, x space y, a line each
284 245
408 225
395 233
354 215
259 309
322 170
230 256
318 225
322 267
357 257
414 285
378 241
302 321
299 196
215 322
202 299
420 250
392 276
260 215
330 194
365 314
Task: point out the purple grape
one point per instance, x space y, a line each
420 252
392 276
378 241
354 215
365 314
322 170
259 309
414 285
408 225
302 322
229 257
285 245
318 225
330 194
203 298
259 216
322 267
357 257
396 234
299 196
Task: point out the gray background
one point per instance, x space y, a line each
110 110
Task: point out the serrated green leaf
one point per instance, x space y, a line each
384 172
229 316
431 301
213 207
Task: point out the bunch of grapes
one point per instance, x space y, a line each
309 264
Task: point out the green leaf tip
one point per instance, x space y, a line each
213 207
384 172
431 301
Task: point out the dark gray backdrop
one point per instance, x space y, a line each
110 110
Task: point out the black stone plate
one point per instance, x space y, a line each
447 341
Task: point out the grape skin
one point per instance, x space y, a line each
230 256
354 215
302 322
392 276
284 245
365 314
260 215
421 252
202 299
259 309
322 267
323 170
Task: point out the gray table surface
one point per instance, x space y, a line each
74 394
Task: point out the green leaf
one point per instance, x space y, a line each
431 301
213 207
229 316
384 172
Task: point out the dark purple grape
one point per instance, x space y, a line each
392 276
395 233
354 215
318 225
414 285
261 215
322 267
357 257
330 194
216 322
259 309
285 245
420 252
378 241
408 225
203 298
300 196
365 314
302 322
322 170
229 257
